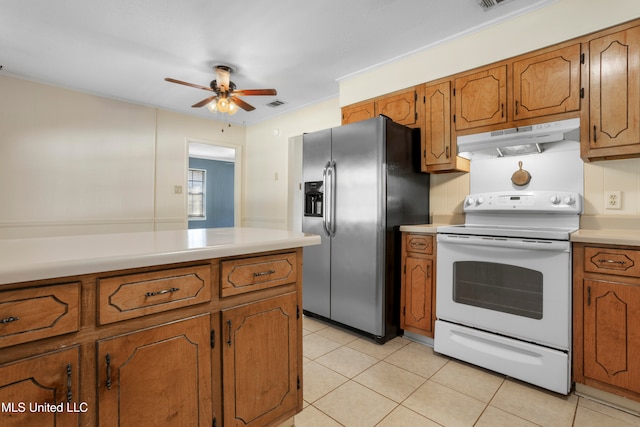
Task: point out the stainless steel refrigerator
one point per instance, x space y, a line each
361 182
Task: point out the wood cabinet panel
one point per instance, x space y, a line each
418 284
481 98
158 376
36 313
358 112
251 274
400 107
614 76
618 262
140 294
437 128
612 333
51 379
259 361
547 84
419 243
418 290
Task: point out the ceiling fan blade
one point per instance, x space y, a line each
180 82
242 104
254 92
204 102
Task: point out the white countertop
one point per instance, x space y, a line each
50 257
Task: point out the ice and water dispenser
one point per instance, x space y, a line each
313 199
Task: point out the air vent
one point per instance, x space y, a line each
490 4
276 103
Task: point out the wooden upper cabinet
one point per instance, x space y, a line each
399 107
437 128
481 98
358 112
547 84
614 87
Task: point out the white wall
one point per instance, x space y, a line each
74 163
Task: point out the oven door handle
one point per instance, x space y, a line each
502 242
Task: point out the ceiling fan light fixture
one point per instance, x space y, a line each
213 106
223 105
233 108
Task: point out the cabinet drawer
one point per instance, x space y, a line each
140 294
36 313
621 262
251 274
419 243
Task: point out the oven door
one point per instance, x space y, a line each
511 286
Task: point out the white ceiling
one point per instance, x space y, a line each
124 49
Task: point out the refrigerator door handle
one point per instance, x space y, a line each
325 207
332 197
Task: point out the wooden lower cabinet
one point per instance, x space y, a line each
418 284
50 379
159 376
612 333
174 350
260 369
607 318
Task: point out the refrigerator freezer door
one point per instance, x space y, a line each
357 263
316 278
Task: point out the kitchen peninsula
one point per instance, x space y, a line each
188 327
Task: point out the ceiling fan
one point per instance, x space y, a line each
226 95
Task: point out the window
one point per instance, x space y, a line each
197 192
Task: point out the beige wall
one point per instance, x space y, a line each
268 184
558 22
74 163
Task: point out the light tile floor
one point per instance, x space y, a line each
350 381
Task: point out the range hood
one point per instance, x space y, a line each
520 140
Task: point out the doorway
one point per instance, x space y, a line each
217 198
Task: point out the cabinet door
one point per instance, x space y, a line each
612 333
437 129
358 112
400 107
547 84
418 295
614 73
50 379
481 98
259 365
159 376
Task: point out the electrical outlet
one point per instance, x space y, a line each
613 199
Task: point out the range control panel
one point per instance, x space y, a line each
524 201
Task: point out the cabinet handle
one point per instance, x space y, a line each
108 359
446 151
69 393
165 291
588 295
611 261
229 339
264 273
428 272
502 109
594 134
516 107
10 319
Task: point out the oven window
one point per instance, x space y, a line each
499 287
